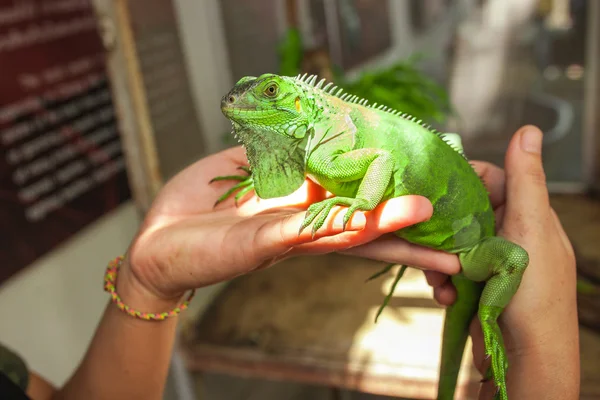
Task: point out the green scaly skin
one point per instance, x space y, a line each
293 128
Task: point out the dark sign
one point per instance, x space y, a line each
61 162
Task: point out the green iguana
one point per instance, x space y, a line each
294 128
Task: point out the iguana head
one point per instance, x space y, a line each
269 102
271 116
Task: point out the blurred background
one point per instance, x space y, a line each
102 101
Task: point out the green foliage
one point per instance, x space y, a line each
290 53
402 87
586 287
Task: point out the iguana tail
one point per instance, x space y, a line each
456 331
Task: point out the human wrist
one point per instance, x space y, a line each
136 298
555 367
545 345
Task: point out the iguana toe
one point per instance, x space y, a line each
318 212
494 350
245 185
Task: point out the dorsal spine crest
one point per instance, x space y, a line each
330 89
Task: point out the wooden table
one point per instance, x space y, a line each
311 320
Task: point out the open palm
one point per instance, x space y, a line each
186 242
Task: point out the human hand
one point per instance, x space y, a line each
540 324
186 243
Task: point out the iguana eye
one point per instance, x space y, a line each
271 90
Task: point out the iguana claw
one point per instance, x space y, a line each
380 273
318 212
245 185
494 347
240 178
392 290
245 169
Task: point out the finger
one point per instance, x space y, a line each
494 179
396 213
445 294
487 389
435 279
527 195
499 213
397 251
390 216
478 348
562 234
280 233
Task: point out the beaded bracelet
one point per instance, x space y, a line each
110 279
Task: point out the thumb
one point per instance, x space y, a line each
526 191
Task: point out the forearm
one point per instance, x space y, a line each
128 358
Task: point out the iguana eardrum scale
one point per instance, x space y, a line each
294 128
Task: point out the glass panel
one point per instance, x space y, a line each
252 30
364 29
516 62
505 63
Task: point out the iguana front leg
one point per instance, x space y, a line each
502 264
245 185
370 169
